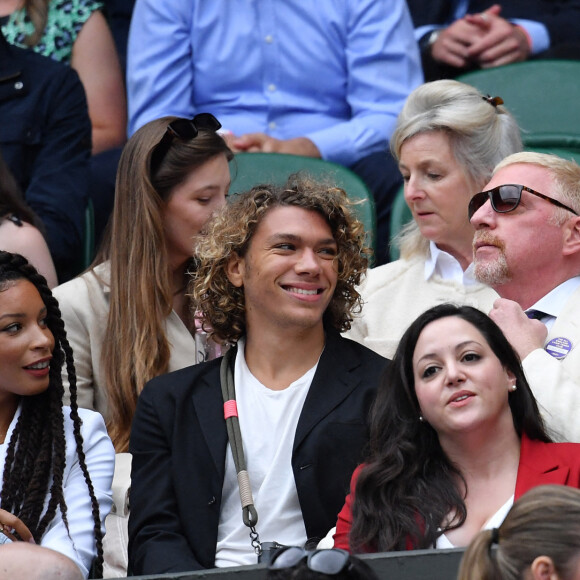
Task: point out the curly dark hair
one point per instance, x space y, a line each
408 484
36 454
222 305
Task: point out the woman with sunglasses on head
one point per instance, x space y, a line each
128 317
448 139
456 437
56 462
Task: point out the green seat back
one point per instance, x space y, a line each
541 94
88 241
249 169
400 215
89 236
571 154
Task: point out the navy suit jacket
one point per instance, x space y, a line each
179 439
561 17
45 139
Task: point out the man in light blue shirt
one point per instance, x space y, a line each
323 80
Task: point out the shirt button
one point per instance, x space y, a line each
272 125
269 39
18 85
272 87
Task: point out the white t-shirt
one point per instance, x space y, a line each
268 421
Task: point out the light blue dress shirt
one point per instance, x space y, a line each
335 71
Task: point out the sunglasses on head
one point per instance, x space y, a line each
184 129
505 198
331 561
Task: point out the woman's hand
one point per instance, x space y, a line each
10 524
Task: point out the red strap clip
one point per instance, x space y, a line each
230 409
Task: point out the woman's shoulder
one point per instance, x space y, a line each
93 431
94 280
567 449
72 12
386 275
12 229
535 451
24 238
65 20
91 421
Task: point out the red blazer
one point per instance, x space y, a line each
540 464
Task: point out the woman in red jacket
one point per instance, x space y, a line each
456 436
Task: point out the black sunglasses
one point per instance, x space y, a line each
330 561
184 129
505 198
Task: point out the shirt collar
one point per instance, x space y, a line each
555 300
447 267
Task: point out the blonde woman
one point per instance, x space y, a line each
448 139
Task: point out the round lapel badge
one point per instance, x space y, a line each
559 347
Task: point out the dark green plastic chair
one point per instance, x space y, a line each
88 241
572 154
249 169
541 94
400 216
89 235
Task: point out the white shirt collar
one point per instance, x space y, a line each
447 267
555 300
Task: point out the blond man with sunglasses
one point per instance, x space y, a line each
527 247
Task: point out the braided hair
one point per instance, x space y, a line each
36 454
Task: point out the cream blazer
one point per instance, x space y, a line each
84 303
395 294
556 382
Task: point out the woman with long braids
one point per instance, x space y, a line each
456 437
56 462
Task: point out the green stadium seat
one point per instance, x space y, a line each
249 169
400 215
541 94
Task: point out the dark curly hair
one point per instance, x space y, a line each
221 304
36 454
408 484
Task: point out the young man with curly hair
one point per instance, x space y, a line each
276 281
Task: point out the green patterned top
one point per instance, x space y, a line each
65 19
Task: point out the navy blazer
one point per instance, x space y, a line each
45 138
179 439
560 17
